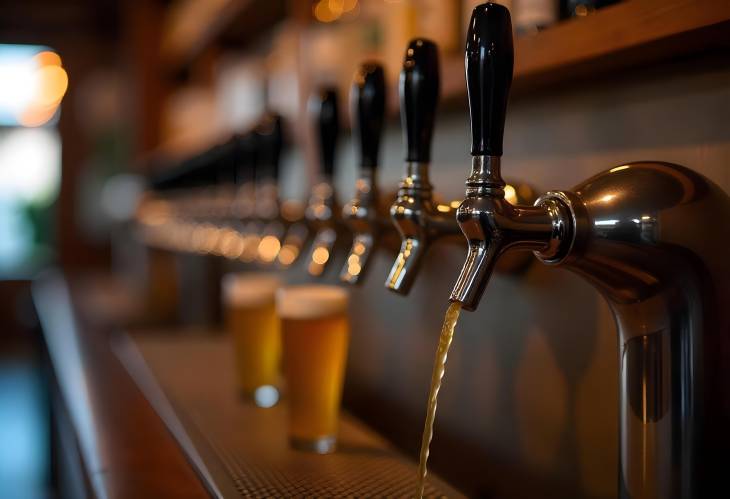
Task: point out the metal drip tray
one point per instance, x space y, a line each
242 451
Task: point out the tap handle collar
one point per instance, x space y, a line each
323 109
419 92
489 61
367 104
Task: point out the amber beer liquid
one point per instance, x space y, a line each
250 315
315 334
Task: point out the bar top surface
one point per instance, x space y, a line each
244 449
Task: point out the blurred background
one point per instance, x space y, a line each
97 96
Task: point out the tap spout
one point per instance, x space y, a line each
404 270
474 276
363 244
419 222
361 217
492 225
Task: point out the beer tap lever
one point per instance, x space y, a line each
321 209
367 102
490 223
414 213
268 205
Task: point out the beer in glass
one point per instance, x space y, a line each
250 315
315 335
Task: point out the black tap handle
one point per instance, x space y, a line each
419 92
323 108
271 138
367 104
489 61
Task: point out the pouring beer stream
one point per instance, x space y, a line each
488 64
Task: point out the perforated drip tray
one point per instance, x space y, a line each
240 450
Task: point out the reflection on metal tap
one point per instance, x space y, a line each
652 237
415 213
367 100
322 210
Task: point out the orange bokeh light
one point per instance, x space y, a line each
52 83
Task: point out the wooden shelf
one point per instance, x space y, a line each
628 34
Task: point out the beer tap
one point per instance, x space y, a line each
415 213
367 102
268 206
652 237
245 209
321 211
186 203
244 203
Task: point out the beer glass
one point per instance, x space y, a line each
250 315
315 334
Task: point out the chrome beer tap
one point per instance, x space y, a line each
653 239
268 207
244 203
361 214
415 213
245 209
321 212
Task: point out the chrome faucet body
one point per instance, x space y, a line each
362 215
321 213
419 221
653 239
641 234
362 218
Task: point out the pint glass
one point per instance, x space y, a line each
315 334
250 314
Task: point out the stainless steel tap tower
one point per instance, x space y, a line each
653 238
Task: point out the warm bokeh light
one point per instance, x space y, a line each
52 83
510 194
354 269
250 247
32 85
269 248
327 11
231 244
48 58
320 255
36 116
288 254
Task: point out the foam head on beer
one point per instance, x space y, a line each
250 311
250 289
311 301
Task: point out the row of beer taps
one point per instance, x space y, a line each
651 236
226 200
